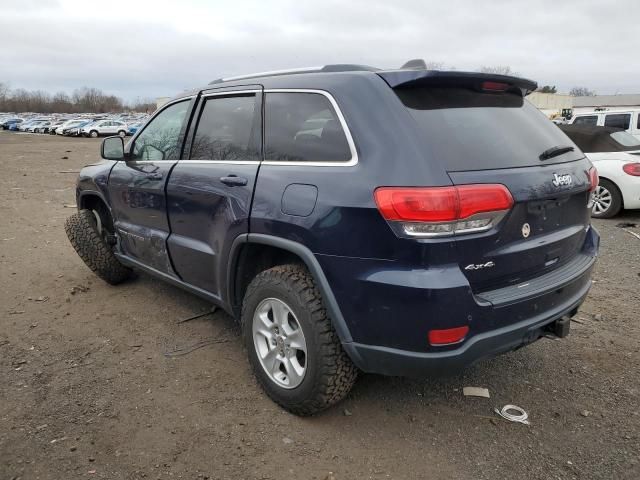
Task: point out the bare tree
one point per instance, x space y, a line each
581 92
547 89
498 70
81 100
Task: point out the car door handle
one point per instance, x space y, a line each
154 176
234 181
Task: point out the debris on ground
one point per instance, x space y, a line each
192 348
78 289
585 413
632 233
521 417
199 315
347 413
476 392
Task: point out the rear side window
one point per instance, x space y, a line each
227 130
586 120
303 127
470 130
617 120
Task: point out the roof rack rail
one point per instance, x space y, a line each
346 67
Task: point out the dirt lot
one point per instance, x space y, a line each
86 390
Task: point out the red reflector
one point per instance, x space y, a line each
441 204
447 336
495 86
632 169
593 179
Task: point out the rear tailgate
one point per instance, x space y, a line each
482 131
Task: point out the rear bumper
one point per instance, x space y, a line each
389 310
396 362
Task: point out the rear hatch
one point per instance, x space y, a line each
483 131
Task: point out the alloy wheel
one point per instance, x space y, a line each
602 200
279 342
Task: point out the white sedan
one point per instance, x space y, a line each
616 155
104 127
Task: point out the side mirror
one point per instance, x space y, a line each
112 148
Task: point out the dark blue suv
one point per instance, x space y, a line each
404 222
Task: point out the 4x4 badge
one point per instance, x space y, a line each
526 230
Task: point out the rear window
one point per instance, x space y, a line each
227 129
470 130
586 120
626 139
303 127
617 120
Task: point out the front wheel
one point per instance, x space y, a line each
293 349
89 238
122 133
93 134
607 200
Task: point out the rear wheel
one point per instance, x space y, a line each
89 238
607 200
293 349
122 133
93 134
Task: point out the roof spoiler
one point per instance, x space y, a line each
413 78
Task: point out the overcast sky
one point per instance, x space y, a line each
150 48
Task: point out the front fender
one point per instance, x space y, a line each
94 180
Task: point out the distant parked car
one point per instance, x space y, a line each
42 127
104 127
616 155
628 120
76 130
51 129
134 127
6 124
69 124
559 120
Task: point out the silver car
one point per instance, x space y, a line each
104 127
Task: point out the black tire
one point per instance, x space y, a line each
93 249
606 186
330 374
122 133
94 134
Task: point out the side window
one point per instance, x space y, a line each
586 120
638 121
618 120
303 127
227 130
161 139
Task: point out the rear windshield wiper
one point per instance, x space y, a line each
554 152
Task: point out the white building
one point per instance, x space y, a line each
606 103
551 104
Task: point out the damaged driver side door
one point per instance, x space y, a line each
137 187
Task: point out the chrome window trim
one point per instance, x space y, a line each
228 93
226 162
352 146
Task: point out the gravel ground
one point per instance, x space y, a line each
89 388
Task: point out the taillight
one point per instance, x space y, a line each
443 211
632 169
447 336
495 86
593 179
